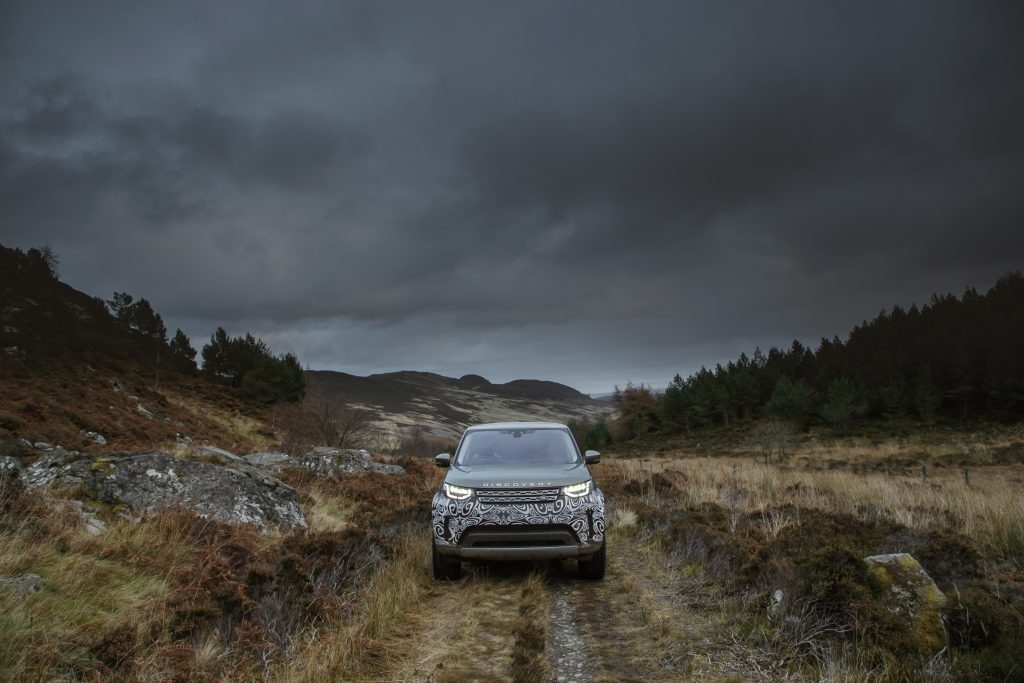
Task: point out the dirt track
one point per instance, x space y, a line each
627 627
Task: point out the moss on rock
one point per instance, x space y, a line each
912 594
103 466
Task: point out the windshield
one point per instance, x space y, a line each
517 447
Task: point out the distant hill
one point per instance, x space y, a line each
68 367
444 406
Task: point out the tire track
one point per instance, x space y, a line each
567 650
464 631
624 628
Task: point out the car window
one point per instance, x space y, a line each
517 447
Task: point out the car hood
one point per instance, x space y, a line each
496 476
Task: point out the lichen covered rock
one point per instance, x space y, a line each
913 594
332 462
325 461
26 584
9 466
270 460
219 486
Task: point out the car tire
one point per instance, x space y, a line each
446 568
592 568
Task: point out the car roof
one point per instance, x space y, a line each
516 425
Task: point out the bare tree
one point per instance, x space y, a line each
296 426
352 427
773 438
383 441
334 422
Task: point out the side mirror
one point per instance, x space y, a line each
443 460
592 457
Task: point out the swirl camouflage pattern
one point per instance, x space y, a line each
462 514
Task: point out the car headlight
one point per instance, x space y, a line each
457 492
577 490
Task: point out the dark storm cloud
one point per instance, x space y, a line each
590 192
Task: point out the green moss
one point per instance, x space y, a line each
913 596
103 466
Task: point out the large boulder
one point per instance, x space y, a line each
214 484
914 595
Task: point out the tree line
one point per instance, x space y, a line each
244 361
954 358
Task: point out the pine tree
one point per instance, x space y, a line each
137 315
927 399
790 400
275 379
216 355
844 401
121 306
894 398
147 321
181 346
45 258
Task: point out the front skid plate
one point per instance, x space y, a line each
533 553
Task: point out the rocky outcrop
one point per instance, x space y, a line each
215 455
913 594
212 482
328 462
333 462
271 460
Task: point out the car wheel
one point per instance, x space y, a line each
592 568
446 568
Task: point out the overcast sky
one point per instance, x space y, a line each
582 191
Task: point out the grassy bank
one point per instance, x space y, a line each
720 567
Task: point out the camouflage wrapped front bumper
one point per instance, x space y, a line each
584 515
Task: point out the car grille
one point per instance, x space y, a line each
512 496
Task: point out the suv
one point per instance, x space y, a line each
518 491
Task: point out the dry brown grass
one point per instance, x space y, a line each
989 510
529 664
98 602
362 648
59 406
723 533
236 431
175 596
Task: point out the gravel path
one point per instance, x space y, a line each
567 652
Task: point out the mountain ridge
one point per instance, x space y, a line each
443 406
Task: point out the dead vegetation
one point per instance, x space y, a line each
719 568
180 597
530 632
781 548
